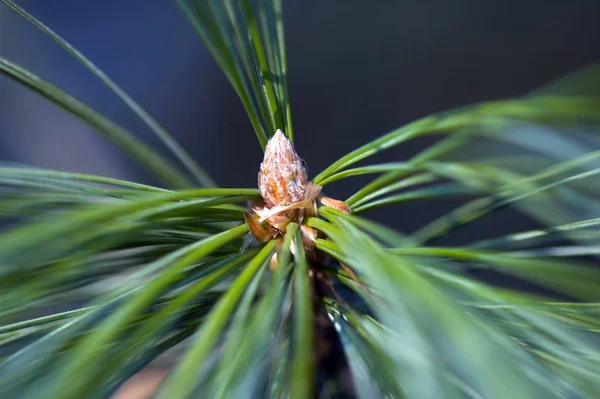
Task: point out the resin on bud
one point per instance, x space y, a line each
287 197
282 179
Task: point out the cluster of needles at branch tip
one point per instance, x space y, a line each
287 197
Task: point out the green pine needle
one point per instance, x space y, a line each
100 278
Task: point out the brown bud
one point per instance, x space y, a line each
282 179
256 229
335 204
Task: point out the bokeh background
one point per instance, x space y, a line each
357 69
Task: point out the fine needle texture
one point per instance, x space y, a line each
101 278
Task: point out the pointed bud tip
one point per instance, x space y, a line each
282 179
278 139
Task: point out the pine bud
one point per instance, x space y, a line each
282 179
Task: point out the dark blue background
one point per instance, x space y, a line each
357 69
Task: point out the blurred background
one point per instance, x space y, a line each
357 69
